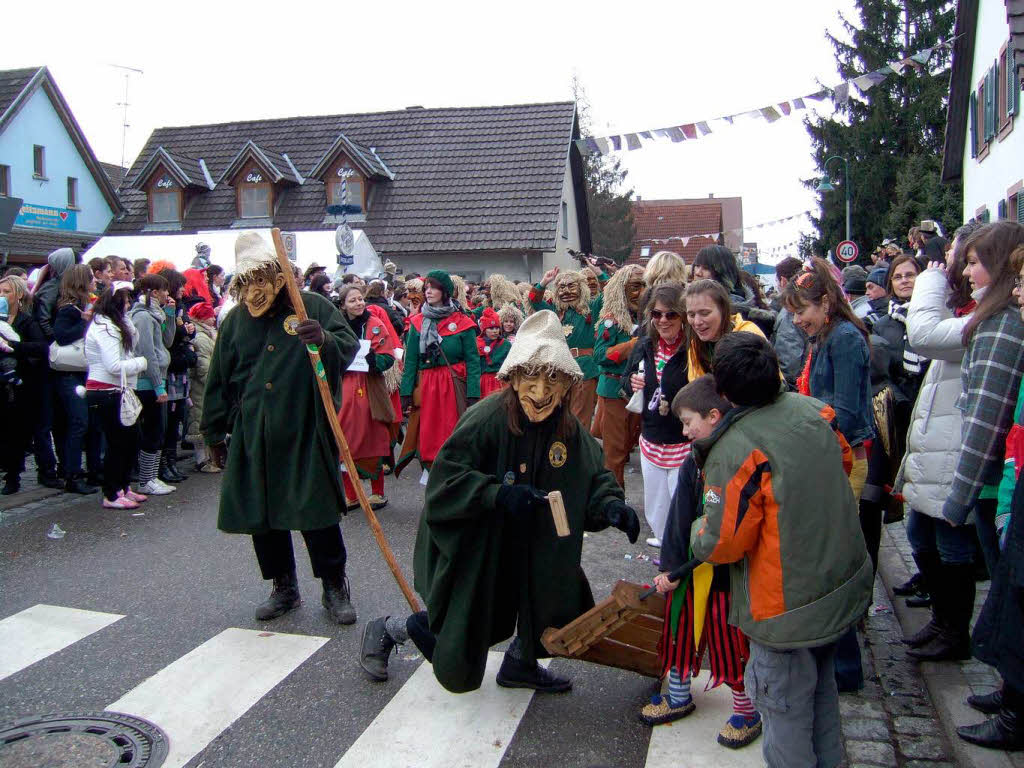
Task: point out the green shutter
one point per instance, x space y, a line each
974 124
989 89
1020 207
1012 82
985 216
1001 209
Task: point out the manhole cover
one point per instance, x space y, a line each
91 740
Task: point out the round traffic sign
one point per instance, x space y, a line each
847 251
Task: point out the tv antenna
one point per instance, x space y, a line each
124 104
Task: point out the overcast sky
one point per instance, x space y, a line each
644 65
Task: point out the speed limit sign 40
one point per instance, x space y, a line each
847 251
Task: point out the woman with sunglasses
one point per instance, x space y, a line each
663 448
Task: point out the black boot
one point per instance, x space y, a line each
989 703
12 484
376 648
337 600
519 673
928 564
953 643
51 481
909 587
283 598
168 472
75 484
1004 731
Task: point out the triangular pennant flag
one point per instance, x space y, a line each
661 133
689 130
602 146
799 104
676 134
771 114
921 57
616 142
646 135
729 118
592 146
632 141
685 240
841 95
898 67
704 128
784 106
818 95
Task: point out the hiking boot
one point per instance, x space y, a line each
516 673
337 600
661 711
989 703
376 648
740 730
283 598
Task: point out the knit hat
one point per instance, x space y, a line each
390 267
202 259
855 286
540 343
252 254
489 319
444 279
201 311
878 276
853 272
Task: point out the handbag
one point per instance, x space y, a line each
636 402
381 408
68 357
131 406
459 383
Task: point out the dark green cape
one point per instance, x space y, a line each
282 470
480 569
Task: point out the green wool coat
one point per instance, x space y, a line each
580 337
282 470
479 568
608 334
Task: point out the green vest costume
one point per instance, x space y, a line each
607 334
582 335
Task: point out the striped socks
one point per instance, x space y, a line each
678 689
741 703
149 463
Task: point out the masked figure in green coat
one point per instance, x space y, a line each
281 472
488 561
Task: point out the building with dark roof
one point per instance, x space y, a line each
984 148
67 198
475 190
661 223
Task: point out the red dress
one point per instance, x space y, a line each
492 355
368 440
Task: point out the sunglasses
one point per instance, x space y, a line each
657 314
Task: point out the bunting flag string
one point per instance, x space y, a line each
840 96
685 239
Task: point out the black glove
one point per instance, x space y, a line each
471 401
520 500
406 403
310 332
620 515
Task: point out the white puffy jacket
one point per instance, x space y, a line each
933 442
106 355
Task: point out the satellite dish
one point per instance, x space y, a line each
345 240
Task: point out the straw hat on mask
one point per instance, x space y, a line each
540 344
252 254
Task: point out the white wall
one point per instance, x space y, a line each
38 123
559 256
985 183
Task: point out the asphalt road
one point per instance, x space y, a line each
178 582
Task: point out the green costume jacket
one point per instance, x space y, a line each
608 334
282 470
581 335
458 345
478 568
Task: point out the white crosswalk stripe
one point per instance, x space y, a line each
692 741
202 693
469 729
40 631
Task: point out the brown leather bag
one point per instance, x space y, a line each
381 408
459 384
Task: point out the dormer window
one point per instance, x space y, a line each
349 172
345 187
254 195
171 180
259 176
164 200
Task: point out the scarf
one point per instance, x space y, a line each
429 337
913 363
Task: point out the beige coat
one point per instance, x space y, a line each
203 343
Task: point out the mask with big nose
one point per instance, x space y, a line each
568 293
540 392
259 292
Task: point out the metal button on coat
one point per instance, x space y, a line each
270 347
269 385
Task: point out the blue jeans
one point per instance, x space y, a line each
82 426
42 444
954 543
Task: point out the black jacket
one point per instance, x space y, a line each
654 427
32 352
69 325
396 317
685 508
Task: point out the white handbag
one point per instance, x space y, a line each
636 402
68 357
131 406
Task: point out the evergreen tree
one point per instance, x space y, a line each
611 209
892 135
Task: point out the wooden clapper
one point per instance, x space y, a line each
621 631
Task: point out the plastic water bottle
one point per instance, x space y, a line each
55 532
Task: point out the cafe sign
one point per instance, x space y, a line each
45 217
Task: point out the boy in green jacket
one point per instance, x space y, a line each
779 508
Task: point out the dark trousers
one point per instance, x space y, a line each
122 441
326 552
985 522
81 429
152 420
177 410
42 426
17 414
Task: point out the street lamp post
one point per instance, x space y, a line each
826 186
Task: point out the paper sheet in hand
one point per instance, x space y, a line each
359 363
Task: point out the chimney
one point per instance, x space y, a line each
416 106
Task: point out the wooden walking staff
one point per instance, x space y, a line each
332 419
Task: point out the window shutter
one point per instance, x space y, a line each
1001 210
985 216
990 105
1020 207
1012 82
974 125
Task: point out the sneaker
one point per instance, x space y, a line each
660 710
377 502
740 730
207 466
121 502
654 542
155 488
138 497
350 505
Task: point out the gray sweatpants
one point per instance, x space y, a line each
795 692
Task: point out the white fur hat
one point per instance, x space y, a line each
540 343
252 253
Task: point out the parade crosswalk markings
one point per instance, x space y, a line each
692 741
206 690
42 630
425 725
